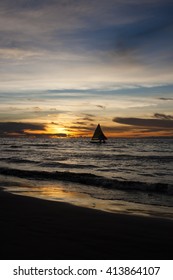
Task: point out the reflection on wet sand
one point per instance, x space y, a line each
63 194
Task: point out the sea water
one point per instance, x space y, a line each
126 175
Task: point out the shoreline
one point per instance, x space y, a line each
82 196
86 201
33 228
59 191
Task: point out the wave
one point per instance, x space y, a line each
144 158
89 179
126 157
17 160
66 165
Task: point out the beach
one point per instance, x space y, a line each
33 228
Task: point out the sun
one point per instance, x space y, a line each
56 130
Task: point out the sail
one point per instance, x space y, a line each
98 134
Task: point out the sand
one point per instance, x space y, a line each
32 228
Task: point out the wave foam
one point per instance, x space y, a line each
89 179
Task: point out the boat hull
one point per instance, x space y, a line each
98 142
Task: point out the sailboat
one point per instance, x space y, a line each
98 136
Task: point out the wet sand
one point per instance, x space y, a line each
32 228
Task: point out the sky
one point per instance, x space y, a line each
67 65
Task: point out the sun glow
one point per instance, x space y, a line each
57 131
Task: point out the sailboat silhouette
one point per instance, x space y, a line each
98 136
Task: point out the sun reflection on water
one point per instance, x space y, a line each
63 194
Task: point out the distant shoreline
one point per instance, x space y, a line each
52 136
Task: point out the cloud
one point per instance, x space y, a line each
88 117
7 128
80 123
163 116
54 123
161 123
101 106
166 98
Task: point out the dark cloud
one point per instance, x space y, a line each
88 117
80 123
7 128
161 123
55 123
166 98
101 106
163 116
81 127
78 127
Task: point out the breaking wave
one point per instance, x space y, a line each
89 179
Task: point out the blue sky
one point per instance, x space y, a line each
68 65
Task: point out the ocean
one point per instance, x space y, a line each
132 176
